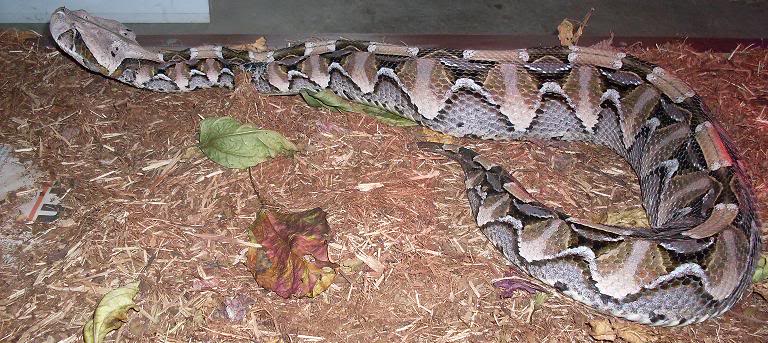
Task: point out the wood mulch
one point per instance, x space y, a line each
145 204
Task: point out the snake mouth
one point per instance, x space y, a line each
66 33
71 42
66 40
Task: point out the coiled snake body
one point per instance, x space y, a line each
694 262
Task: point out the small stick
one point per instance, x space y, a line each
255 190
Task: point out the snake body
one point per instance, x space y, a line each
693 263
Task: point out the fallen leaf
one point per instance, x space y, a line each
634 333
111 313
602 330
233 145
260 44
352 265
293 257
327 99
536 302
565 32
761 273
569 31
512 282
312 100
436 137
509 285
605 44
761 289
190 153
540 298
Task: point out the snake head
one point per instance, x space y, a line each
101 45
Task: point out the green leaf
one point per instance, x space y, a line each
761 272
312 101
390 118
111 313
327 99
233 145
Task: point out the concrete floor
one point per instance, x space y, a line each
659 18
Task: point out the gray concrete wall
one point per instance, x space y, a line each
692 18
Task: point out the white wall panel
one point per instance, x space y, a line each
133 11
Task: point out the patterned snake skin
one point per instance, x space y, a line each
693 263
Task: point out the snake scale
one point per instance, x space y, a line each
693 263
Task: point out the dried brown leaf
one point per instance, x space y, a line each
633 336
111 313
260 44
565 32
293 257
605 44
436 137
351 265
761 289
602 330
634 333
569 31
